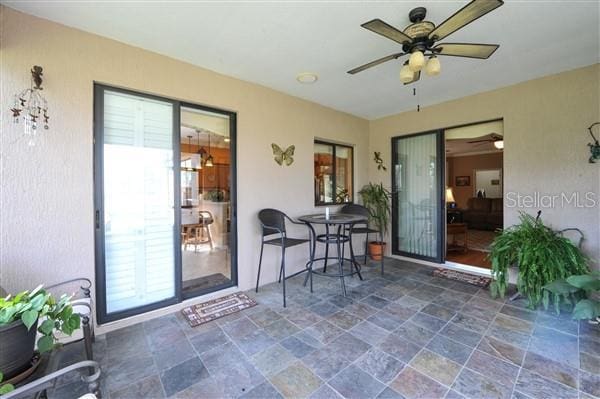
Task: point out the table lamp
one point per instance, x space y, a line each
450 198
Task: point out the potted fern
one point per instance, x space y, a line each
25 315
377 199
542 256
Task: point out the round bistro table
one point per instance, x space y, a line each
333 235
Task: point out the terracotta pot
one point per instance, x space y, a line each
376 249
17 347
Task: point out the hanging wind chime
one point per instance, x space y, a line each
31 108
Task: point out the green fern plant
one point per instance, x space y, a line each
377 199
542 256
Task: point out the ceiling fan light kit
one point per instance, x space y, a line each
406 74
420 39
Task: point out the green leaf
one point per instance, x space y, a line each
561 287
586 282
46 327
38 301
586 309
29 317
45 343
6 388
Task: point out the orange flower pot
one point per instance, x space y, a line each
376 249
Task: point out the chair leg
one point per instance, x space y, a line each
210 239
366 248
262 246
326 256
340 267
282 272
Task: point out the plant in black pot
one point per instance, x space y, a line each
25 315
377 199
542 256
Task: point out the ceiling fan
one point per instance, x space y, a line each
419 40
497 140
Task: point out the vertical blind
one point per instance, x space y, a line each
138 201
416 182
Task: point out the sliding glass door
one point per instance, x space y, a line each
417 207
143 190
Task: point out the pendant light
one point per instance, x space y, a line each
209 159
188 168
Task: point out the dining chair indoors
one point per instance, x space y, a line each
273 232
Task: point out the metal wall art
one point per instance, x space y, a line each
282 156
30 107
379 161
595 146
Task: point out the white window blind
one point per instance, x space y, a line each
138 201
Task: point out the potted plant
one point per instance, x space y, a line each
25 315
542 256
583 291
377 199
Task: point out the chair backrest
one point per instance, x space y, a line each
272 221
355 209
205 218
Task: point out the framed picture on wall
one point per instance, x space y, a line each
462 181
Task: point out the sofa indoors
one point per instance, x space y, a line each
483 213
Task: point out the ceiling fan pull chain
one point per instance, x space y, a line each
414 94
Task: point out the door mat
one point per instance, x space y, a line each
468 278
217 308
205 282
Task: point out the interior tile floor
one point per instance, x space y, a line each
405 334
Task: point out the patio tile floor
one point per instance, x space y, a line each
402 335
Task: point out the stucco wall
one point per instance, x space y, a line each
545 142
47 191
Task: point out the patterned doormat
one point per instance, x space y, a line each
217 308
468 278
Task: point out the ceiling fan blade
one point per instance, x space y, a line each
374 63
386 30
469 50
416 76
480 141
469 13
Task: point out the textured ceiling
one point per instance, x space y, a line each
269 43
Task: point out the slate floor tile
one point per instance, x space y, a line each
459 334
222 357
262 391
471 309
183 375
149 387
240 327
411 303
450 349
385 320
349 346
375 301
589 363
429 322
519 313
264 317
237 379
344 320
436 366
297 347
493 368
169 356
589 383
399 347
303 318
414 385
353 383
536 386
325 392
474 385
502 350
255 342
272 359
401 312
555 345
389 393
324 308
558 323
380 365
281 328
551 369
590 345
296 381
470 323
127 369
361 310
326 363
324 331
208 340
414 333
369 332
513 323
439 312
341 301
507 335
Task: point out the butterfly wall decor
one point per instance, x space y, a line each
282 156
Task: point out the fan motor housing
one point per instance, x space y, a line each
417 14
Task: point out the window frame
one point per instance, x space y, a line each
334 173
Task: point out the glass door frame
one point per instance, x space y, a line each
441 210
98 187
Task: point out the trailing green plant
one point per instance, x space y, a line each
582 290
29 307
377 199
542 256
5 388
